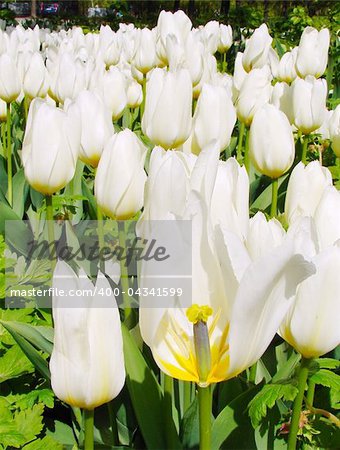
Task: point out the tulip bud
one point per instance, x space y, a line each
87 362
226 38
271 142
35 81
309 103
167 115
134 94
9 80
255 92
286 69
67 78
305 189
257 49
334 130
282 99
114 91
50 147
145 58
120 178
211 35
312 53
96 126
3 111
239 75
214 118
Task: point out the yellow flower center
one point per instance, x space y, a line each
197 313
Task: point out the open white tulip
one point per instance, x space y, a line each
271 142
10 86
87 363
50 147
167 115
312 52
120 177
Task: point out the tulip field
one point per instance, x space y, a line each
169 238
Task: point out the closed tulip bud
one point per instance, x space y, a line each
145 58
68 78
50 147
114 91
282 99
134 94
309 103
255 92
10 86
167 115
311 325
120 178
3 111
96 126
257 49
312 53
239 75
286 69
35 81
226 38
271 142
305 189
211 36
87 361
214 118
334 130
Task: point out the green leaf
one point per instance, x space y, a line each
46 443
232 427
190 427
17 235
13 364
146 396
32 354
331 380
29 422
40 337
20 191
267 397
327 363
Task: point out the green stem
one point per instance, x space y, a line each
50 229
9 157
124 274
294 424
242 128
100 231
204 408
113 422
224 62
275 189
246 152
252 373
4 139
88 429
310 393
304 149
186 395
142 106
168 387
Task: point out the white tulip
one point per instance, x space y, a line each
167 116
226 38
113 90
312 53
214 118
286 69
257 49
120 177
50 147
10 86
334 130
271 142
309 103
144 58
87 362
282 99
134 94
35 80
305 189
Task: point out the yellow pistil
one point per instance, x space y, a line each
197 313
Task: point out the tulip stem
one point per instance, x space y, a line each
142 106
50 229
224 62
246 153
168 387
100 231
294 424
240 141
9 157
186 395
204 408
88 429
124 273
4 139
304 149
275 189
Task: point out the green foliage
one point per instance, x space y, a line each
331 380
267 397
